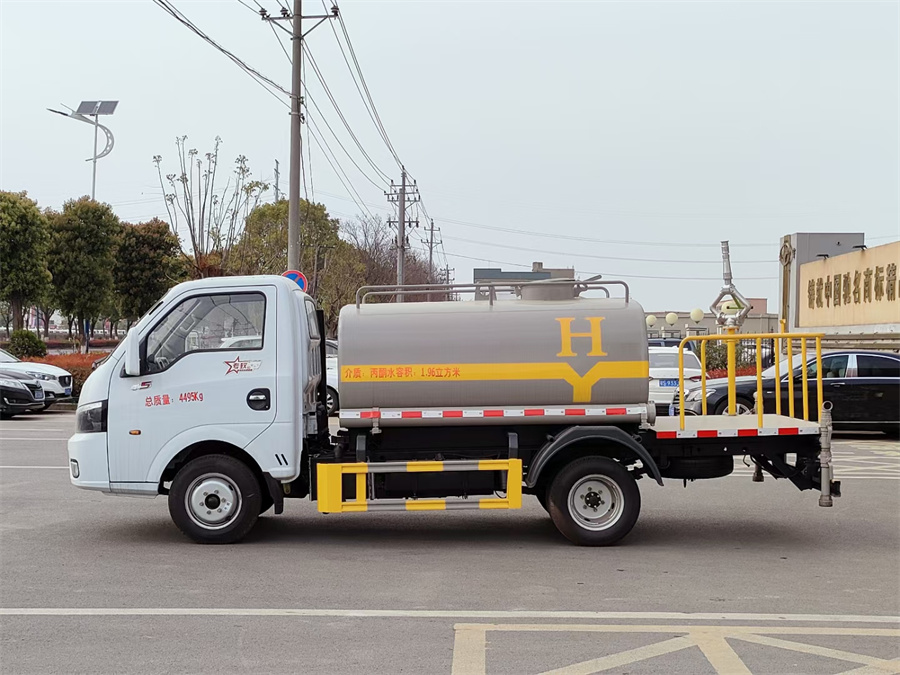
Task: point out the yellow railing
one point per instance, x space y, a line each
731 340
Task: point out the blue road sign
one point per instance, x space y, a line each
298 278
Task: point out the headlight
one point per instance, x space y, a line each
91 418
40 376
15 384
697 394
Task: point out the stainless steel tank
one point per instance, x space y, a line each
542 358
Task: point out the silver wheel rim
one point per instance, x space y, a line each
213 501
596 502
740 409
329 402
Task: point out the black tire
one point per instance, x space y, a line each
722 406
6 416
243 494
892 432
333 402
622 504
542 498
265 503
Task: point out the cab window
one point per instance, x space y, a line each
232 322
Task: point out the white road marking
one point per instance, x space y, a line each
33 438
445 614
470 645
24 466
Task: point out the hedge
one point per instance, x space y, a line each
71 344
77 364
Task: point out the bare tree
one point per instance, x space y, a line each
214 220
376 243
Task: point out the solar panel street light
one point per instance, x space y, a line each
85 111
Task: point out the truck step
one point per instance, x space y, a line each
329 482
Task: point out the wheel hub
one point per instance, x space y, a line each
596 502
213 501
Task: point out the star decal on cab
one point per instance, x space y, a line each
238 366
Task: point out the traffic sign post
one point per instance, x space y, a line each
298 277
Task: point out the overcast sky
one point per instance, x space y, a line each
630 137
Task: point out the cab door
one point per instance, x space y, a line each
208 367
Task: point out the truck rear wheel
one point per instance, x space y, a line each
215 499
594 501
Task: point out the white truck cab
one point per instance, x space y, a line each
177 387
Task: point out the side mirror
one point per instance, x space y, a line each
132 354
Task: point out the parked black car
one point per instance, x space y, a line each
19 393
863 387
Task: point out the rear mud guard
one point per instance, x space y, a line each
574 435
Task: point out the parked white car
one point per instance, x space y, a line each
56 382
664 376
332 377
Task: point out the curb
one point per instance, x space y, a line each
65 406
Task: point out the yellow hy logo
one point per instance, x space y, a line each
565 326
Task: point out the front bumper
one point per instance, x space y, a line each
88 466
55 391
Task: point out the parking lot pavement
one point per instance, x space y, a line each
724 576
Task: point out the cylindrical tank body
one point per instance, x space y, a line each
585 356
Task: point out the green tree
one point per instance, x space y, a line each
82 257
148 263
24 240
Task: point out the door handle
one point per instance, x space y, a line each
836 384
258 399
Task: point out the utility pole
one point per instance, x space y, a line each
402 195
431 251
401 233
277 192
296 168
296 161
447 270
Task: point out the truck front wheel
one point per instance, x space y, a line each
594 501
215 499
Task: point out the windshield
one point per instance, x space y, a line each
6 357
670 360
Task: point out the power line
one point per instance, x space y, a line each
607 257
346 152
365 86
349 188
366 102
264 81
611 275
337 109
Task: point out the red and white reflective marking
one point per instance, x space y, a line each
394 414
738 433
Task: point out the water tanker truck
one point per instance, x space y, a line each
444 406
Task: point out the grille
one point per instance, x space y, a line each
65 380
35 390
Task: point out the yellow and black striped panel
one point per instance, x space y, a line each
330 493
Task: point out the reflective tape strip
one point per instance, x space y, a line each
736 433
491 412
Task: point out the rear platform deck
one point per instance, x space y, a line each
726 426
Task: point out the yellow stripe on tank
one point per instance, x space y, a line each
487 372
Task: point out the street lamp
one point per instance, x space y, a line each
86 110
697 315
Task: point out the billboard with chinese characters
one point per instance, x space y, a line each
853 289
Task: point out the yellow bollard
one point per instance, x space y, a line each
805 379
731 341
